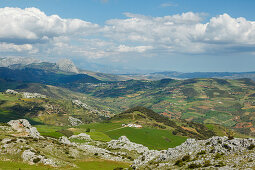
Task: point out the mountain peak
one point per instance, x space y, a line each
67 65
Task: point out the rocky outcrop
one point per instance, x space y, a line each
65 140
22 125
216 150
9 91
28 95
67 66
74 121
124 143
82 136
33 158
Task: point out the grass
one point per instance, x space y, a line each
92 164
9 165
152 138
99 136
101 127
8 97
49 131
100 164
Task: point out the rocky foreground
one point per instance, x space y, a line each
21 141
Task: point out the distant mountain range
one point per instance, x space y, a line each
67 66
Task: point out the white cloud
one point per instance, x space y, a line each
139 49
30 25
185 33
168 4
5 47
33 32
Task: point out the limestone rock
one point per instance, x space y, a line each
65 140
74 121
34 158
22 125
124 143
82 136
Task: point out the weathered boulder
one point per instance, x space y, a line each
74 121
33 158
124 143
23 125
82 136
65 140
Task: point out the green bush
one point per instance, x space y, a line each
186 158
220 164
218 155
207 163
66 132
179 163
252 146
36 160
193 166
201 152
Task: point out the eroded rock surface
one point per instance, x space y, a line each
22 125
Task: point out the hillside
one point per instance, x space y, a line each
216 101
209 101
41 109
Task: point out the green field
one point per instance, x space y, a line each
152 138
49 131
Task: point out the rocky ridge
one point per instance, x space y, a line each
214 153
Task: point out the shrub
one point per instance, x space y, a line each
201 152
252 146
88 130
207 163
218 155
66 132
186 158
118 168
179 163
226 146
220 164
193 166
174 132
36 160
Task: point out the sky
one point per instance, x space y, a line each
160 35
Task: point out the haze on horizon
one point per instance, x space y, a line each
177 35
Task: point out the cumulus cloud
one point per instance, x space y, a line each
184 33
5 47
30 25
33 32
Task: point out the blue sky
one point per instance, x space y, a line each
181 35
